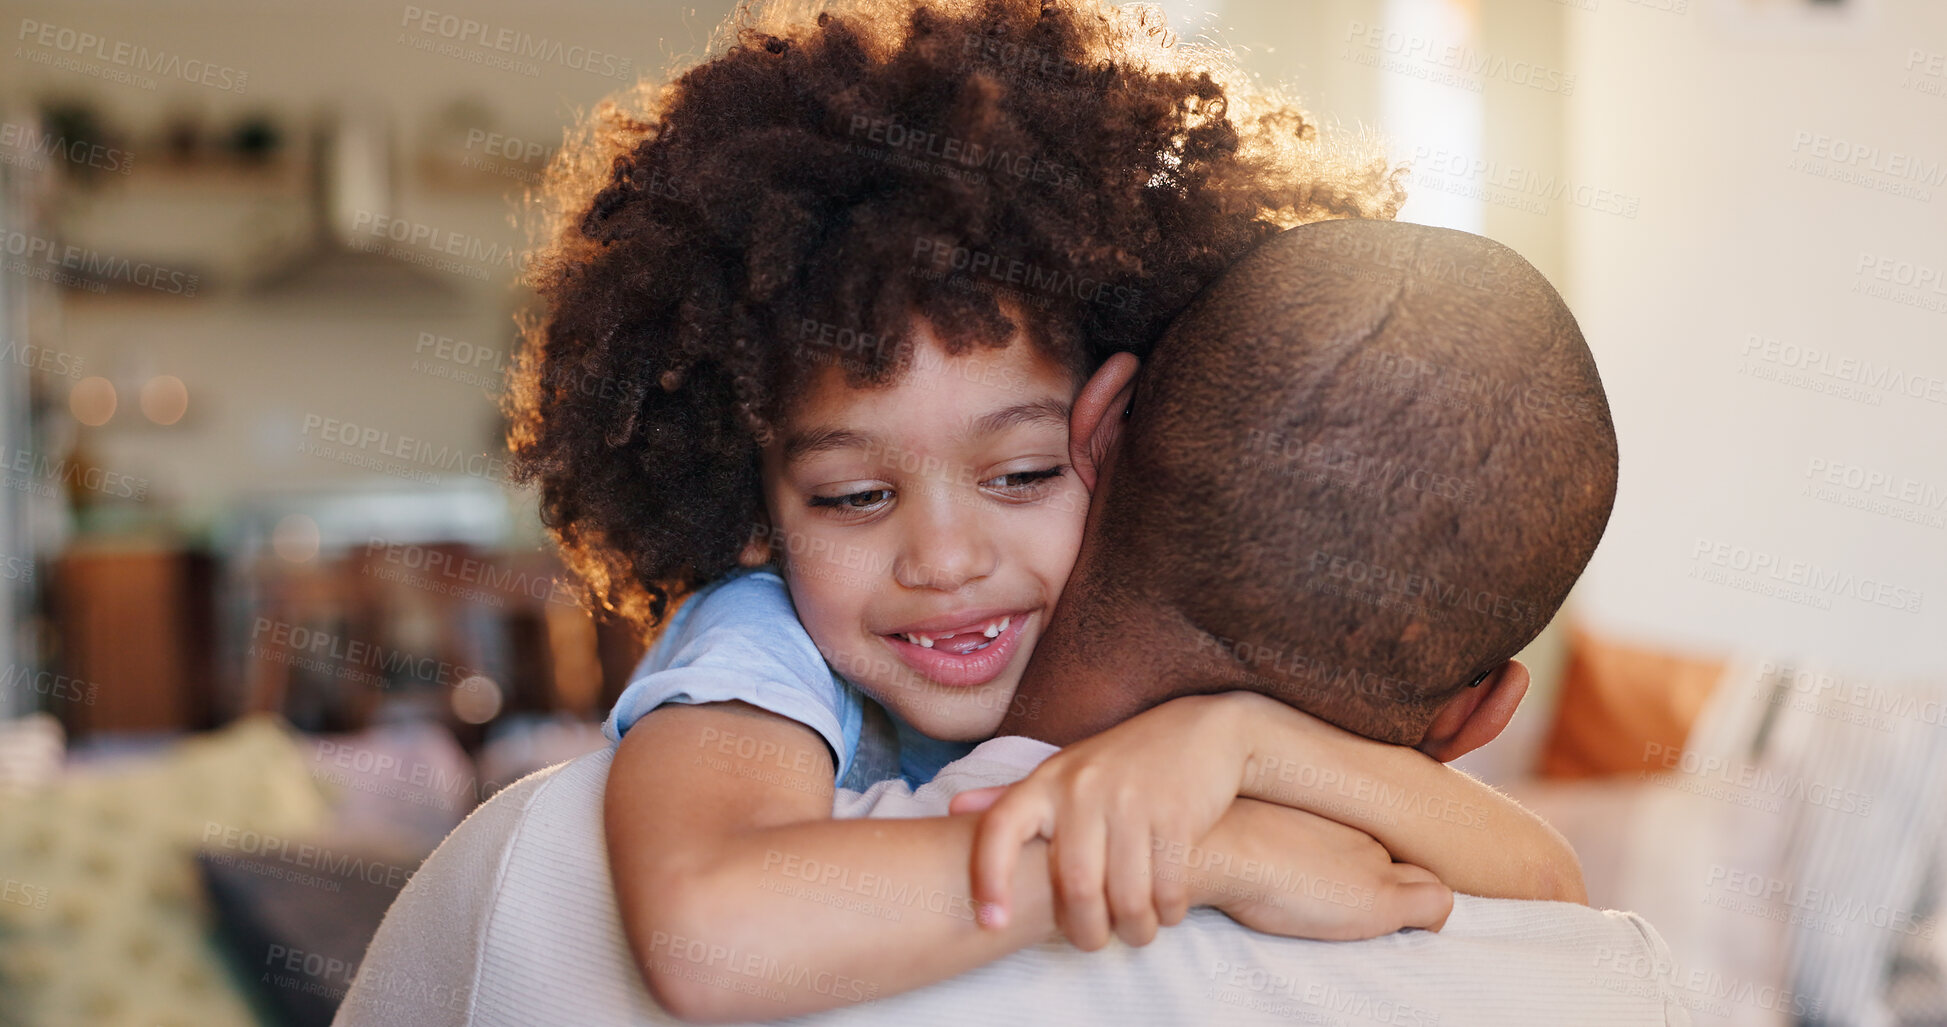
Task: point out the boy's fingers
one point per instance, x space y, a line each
1408 873
973 800
1417 903
1131 900
1075 857
1172 895
1005 827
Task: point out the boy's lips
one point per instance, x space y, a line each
962 652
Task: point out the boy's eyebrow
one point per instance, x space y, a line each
1045 409
818 440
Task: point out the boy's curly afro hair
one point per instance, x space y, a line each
836 170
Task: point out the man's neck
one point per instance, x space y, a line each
1062 701
1094 668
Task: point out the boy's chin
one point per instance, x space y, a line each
972 719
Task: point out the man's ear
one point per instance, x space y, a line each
1477 715
1096 421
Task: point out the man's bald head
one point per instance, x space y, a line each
1362 469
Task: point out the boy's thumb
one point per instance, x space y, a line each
975 800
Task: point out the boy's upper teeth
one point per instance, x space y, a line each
925 641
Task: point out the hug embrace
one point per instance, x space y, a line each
1062 608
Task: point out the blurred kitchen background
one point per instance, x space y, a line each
276 621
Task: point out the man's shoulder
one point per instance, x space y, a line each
1603 936
1474 916
528 865
1601 959
1498 964
475 853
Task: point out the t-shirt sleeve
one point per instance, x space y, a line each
740 640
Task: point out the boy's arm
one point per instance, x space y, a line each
742 899
1476 839
1159 780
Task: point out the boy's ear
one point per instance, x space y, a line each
1096 420
757 548
1477 715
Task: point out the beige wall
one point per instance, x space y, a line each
1712 122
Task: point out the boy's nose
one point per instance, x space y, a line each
946 547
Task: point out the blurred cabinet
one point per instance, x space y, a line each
136 624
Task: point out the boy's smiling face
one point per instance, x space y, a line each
926 527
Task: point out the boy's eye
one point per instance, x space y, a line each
1023 481
864 500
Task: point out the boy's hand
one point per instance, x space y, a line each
1162 778
1314 877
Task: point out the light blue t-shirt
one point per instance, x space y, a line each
738 638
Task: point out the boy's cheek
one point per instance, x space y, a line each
1069 522
1075 498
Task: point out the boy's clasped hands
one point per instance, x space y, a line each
1156 815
